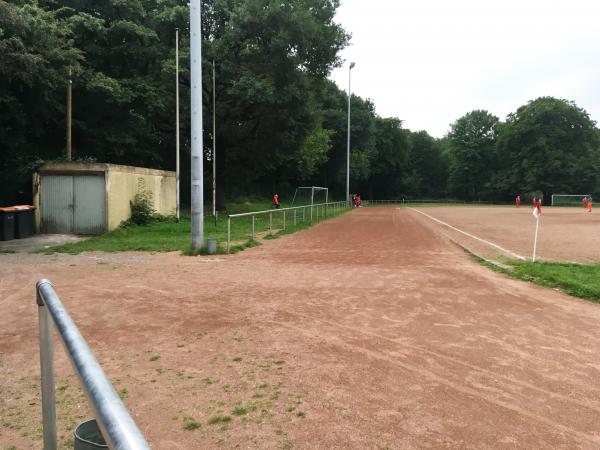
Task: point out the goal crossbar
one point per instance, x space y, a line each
567 195
313 189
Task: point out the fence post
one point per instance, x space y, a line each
253 217
294 217
303 213
270 223
47 373
284 220
311 213
228 234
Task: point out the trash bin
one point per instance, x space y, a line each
24 221
7 224
88 436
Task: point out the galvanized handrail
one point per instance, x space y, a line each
118 428
270 212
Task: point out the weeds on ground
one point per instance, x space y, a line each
219 418
189 423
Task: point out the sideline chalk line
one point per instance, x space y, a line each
471 236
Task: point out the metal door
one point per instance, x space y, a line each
73 204
89 210
57 203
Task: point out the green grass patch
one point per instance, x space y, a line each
170 235
189 423
7 250
577 280
240 411
219 418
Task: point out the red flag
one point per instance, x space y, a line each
537 211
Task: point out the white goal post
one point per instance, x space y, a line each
567 199
312 190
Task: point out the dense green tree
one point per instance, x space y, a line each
280 121
472 141
270 56
549 145
36 50
389 159
427 172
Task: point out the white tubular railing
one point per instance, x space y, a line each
117 427
288 215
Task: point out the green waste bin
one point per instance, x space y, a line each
7 224
24 221
88 436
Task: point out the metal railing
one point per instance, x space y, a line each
286 217
117 427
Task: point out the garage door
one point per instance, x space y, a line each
73 204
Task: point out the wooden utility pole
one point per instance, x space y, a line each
69 108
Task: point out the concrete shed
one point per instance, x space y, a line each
80 198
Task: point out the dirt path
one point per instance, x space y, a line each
366 331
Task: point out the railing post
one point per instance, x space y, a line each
228 234
284 220
311 212
253 220
295 217
47 374
270 223
303 213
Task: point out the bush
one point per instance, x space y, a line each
142 209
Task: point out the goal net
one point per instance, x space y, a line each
568 199
310 195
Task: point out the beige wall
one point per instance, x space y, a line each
121 187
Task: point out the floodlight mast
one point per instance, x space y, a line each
348 146
196 124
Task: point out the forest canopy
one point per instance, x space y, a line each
280 121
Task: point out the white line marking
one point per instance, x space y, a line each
471 236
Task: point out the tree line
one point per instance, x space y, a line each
280 121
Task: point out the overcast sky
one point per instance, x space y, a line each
429 62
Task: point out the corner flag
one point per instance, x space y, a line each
537 211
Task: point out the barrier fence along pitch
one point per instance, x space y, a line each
268 214
117 427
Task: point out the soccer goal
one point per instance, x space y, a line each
568 199
310 195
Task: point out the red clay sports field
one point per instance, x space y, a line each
370 330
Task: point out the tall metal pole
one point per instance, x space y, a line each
214 136
348 146
196 103
177 120
69 115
